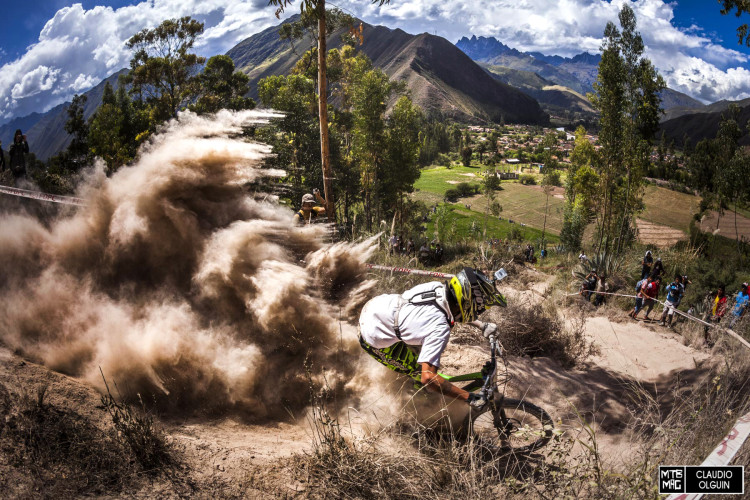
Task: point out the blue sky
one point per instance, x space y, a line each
52 49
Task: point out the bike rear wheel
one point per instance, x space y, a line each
511 424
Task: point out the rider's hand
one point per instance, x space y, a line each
476 401
489 329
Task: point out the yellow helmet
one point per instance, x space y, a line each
473 291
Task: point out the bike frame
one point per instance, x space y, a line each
486 380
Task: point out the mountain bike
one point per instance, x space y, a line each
505 423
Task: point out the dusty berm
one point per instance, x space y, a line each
181 283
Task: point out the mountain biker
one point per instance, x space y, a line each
405 331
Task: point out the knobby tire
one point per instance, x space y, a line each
487 424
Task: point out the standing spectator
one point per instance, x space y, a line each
718 304
2 158
650 292
582 258
646 263
18 151
658 269
543 253
674 294
740 305
392 244
601 288
401 244
438 253
411 248
424 253
639 296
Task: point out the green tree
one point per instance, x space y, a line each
401 167
627 98
314 12
295 144
466 156
580 185
219 86
77 127
162 68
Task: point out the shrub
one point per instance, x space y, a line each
552 178
527 179
452 195
465 189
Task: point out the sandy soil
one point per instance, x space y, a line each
233 456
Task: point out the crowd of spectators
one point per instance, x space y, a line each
428 253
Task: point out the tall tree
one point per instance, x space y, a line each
163 67
627 98
77 127
219 86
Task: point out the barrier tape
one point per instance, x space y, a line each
723 453
37 195
684 314
406 270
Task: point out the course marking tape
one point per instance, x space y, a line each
406 270
723 453
686 315
37 195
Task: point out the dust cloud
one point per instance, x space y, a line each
184 285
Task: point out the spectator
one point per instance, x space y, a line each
424 253
543 253
639 296
649 293
718 306
601 287
18 151
589 284
438 253
582 258
646 264
401 244
309 213
740 305
674 295
658 269
411 248
2 158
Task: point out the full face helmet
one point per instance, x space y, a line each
473 292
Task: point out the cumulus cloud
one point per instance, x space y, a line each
690 60
77 48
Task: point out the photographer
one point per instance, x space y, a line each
309 213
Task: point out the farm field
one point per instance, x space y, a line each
522 204
669 208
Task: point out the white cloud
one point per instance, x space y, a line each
77 48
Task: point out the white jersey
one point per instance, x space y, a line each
425 324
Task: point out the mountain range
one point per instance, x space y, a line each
477 80
438 76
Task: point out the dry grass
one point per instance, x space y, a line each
59 452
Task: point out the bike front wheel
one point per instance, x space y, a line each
512 424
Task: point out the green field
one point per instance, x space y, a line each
463 220
522 204
525 204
